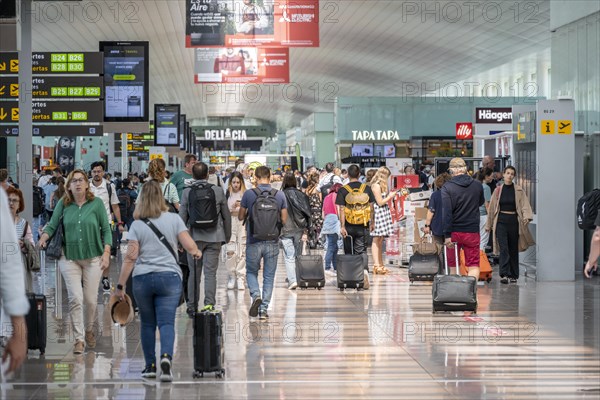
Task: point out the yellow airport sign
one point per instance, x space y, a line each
548 127
565 127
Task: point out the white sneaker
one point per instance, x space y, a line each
231 283
241 284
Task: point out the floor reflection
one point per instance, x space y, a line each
531 340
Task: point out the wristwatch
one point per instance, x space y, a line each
119 286
427 226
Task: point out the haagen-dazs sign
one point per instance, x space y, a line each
375 135
493 115
225 134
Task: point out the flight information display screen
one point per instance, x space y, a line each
125 81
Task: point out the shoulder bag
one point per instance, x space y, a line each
54 247
31 259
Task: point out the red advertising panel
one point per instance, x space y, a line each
242 65
251 23
405 181
464 131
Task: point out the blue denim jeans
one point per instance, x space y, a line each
268 251
157 296
292 247
332 249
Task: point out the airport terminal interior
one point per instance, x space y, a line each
294 84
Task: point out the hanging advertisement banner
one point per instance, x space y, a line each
242 65
65 157
249 23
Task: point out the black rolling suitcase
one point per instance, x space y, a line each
351 269
309 270
209 349
454 292
36 318
423 267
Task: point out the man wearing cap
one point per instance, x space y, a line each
461 198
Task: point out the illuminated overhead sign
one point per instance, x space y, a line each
54 63
55 130
54 111
57 88
225 134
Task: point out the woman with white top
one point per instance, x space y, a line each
16 203
157 171
236 248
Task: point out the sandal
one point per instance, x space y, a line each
380 270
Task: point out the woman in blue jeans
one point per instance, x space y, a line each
157 277
331 229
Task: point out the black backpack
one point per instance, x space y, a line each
202 207
327 187
265 216
125 205
38 201
587 210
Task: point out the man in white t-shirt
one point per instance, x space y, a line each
101 189
329 178
45 178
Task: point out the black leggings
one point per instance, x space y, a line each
507 233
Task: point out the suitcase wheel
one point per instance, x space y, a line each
489 280
220 374
42 351
198 374
319 288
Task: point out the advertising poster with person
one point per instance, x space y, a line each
242 65
250 23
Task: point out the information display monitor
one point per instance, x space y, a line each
125 81
182 132
166 124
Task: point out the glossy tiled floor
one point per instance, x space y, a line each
531 340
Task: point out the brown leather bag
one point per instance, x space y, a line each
425 246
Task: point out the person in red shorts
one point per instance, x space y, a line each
461 198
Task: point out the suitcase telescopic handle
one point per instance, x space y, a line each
446 257
351 243
305 248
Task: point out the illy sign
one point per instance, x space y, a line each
493 115
464 130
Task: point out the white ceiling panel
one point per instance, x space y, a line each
368 48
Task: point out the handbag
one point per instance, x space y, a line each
31 258
164 241
54 248
425 246
171 206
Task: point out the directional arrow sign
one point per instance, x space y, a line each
58 111
3 114
2 90
55 63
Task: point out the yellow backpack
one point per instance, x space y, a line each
358 208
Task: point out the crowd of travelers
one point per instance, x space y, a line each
243 216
